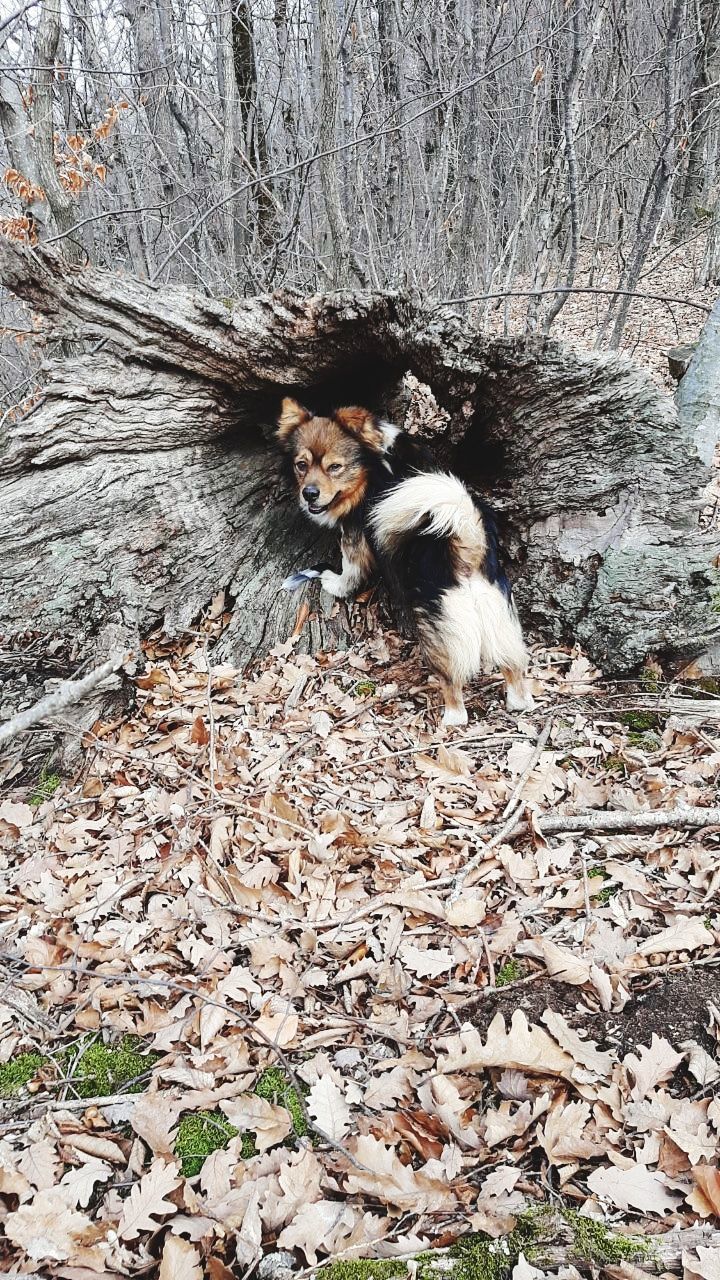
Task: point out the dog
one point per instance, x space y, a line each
422 530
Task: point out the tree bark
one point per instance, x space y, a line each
60 201
145 480
558 1239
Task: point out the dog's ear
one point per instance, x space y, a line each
292 416
363 425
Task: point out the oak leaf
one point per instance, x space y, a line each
46 1228
524 1047
634 1188
180 1260
147 1202
328 1105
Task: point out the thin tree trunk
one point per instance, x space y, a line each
343 263
659 187
61 202
704 100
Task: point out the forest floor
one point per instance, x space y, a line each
261 872
286 967
653 327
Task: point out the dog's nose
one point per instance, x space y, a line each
311 493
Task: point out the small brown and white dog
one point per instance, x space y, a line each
425 534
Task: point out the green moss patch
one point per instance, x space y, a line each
641 721
511 971
479 1257
364 1269
601 895
18 1072
614 764
99 1070
593 1242
274 1086
364 688
202 1132
45 787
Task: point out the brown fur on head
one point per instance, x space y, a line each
329 457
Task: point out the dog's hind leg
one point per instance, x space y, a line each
445 659
490 624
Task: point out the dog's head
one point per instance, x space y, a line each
331 457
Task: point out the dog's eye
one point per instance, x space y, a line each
301 467
334 469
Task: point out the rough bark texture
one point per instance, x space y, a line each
144 481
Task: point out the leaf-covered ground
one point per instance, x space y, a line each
263 1009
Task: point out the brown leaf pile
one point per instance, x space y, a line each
258 872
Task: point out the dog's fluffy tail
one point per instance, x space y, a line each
439 505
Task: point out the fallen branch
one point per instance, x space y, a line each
683 818
69 692
560 1238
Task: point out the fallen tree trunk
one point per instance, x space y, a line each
145 480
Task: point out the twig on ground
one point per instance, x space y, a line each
69 692
185 988
511 813
681 818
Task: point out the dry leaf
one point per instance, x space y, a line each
686 934
524 1047
562 1135
651 1065
79 1183
389 1180
705 1198
429 963
269 1122
180 1260
154 1118
147 1202
327 1105
17 816
312 1228
561 963
596 1063
705 1263
633 1188
46 1229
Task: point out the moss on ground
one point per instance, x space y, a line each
364 688
364 1269
18 1072
511 971
614 764
651 679
641 721
479 1257
202 1132
707 684
274 1086
594 1242
45 787
602 896
99 1069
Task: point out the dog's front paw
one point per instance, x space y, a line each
333 583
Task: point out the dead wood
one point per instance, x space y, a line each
144 482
